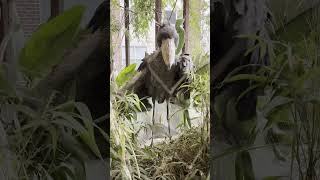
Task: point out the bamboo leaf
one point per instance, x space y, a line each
126 74
180 32
47 45
246 77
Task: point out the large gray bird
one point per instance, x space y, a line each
161 73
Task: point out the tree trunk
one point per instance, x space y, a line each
127 41
55 8
186 14
158 14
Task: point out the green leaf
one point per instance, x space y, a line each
246 77
48 44
88 136
104 134
243 166
180 31
89 140
297 27
67 120
54 136
68 169
274 177
251 88
281 114
126 74
276 102
65 107
34 124
203 69
84 111
72 145
85 116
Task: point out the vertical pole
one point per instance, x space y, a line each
158 16
168 118
153 120
4 23
55 8
127 41
186 14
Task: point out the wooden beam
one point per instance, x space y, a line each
158 15
186 14
127 40
55 8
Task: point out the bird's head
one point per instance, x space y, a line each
167 40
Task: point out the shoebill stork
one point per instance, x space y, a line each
161 73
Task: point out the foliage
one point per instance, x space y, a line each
287 113
46 46
168 3
115 25
199 91
142 16
197 17
47 139
51 137
161 161
123 144
126 74
189 163
180 31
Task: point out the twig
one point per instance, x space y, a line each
172 10
158 12
197 157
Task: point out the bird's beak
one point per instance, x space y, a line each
168 51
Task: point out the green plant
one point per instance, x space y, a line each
180 31
46 137
199 89
126 74
287 108
142 16
47 45
123 130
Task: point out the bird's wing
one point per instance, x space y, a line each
143 65
147 59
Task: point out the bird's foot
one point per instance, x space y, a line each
151 144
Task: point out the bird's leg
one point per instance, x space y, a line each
168 118
153 120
